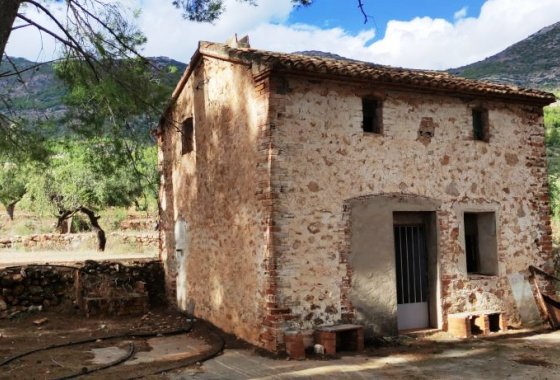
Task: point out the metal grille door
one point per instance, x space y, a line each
410 250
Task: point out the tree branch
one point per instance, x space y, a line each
18 72
74 44
20 26
109 29
363 11
16 69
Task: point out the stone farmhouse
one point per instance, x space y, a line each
303 191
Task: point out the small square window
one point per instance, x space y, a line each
187 134
480 124
480 243
372 116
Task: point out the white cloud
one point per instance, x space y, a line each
437 43
422 42
170 35
461 13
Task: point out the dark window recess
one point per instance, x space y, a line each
481 247
480 124
371 110
471 243
187 134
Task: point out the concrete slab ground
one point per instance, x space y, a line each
159 349
508 356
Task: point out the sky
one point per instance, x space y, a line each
424 34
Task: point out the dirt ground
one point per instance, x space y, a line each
522 354
175 344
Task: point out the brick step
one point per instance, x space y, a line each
465 325
341 338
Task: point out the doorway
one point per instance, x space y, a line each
411 265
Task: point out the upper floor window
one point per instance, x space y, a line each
480 124
187 136
372 116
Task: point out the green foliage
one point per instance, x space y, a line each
552 139
86 173
12 182
211 10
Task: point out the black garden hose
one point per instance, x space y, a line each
91 340
216 348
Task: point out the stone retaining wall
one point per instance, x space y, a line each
71 241
39 287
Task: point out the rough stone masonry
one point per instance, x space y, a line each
299 192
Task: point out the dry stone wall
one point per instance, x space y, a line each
34 288
40 287
71 241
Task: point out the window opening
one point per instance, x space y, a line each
371 112
187 132
480 124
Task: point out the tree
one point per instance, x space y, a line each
211 10
12 185
83 177
552 139
113 100
97 22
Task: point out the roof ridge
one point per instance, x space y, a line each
418 78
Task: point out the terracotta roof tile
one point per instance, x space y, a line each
424 79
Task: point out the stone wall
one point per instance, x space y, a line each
71 241
35 288
255 223
214 199
39 287
326 159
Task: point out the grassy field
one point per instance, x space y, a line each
29 223
118 224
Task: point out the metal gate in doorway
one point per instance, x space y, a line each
412 276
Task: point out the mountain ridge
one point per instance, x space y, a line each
38 93
532 62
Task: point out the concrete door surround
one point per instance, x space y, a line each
373 293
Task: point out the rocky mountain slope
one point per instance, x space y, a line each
38 93
532 62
